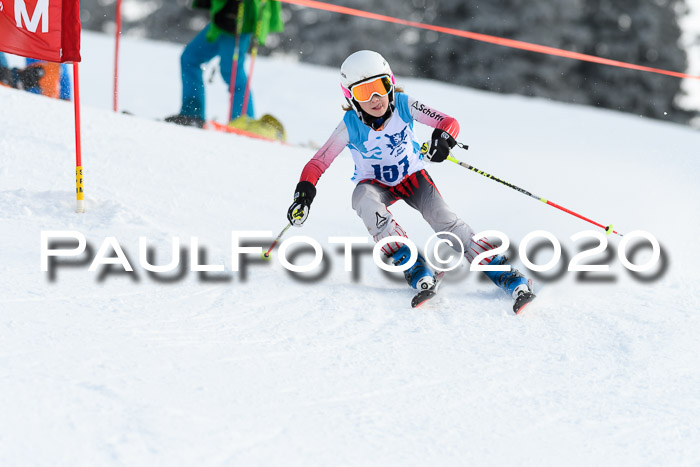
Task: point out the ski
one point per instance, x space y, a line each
424 295
524 299
267 128
212 125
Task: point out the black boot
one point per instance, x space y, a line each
186 120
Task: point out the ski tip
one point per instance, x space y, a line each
422 297
520 310
425 295
523 300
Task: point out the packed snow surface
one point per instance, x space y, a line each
257 367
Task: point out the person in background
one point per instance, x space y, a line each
39 77
233 23
56 81
27 78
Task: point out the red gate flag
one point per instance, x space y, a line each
42 29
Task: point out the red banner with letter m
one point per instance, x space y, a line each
42 29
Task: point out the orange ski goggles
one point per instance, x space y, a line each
363 92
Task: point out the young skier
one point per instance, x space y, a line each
378 130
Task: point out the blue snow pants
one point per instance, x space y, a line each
200 51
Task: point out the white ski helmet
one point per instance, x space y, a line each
361 66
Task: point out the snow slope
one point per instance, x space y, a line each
127 369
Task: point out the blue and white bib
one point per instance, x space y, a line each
388 155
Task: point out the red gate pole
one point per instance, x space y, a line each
116 52
80 197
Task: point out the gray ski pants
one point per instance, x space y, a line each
371 199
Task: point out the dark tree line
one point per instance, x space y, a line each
644 32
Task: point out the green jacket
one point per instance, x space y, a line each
260 17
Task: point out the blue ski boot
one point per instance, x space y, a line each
419 276
513 283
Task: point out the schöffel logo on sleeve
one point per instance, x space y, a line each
427 111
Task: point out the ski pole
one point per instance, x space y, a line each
234 65
246 94
608 229
266 255
253 56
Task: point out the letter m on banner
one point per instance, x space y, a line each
41 14
42 29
